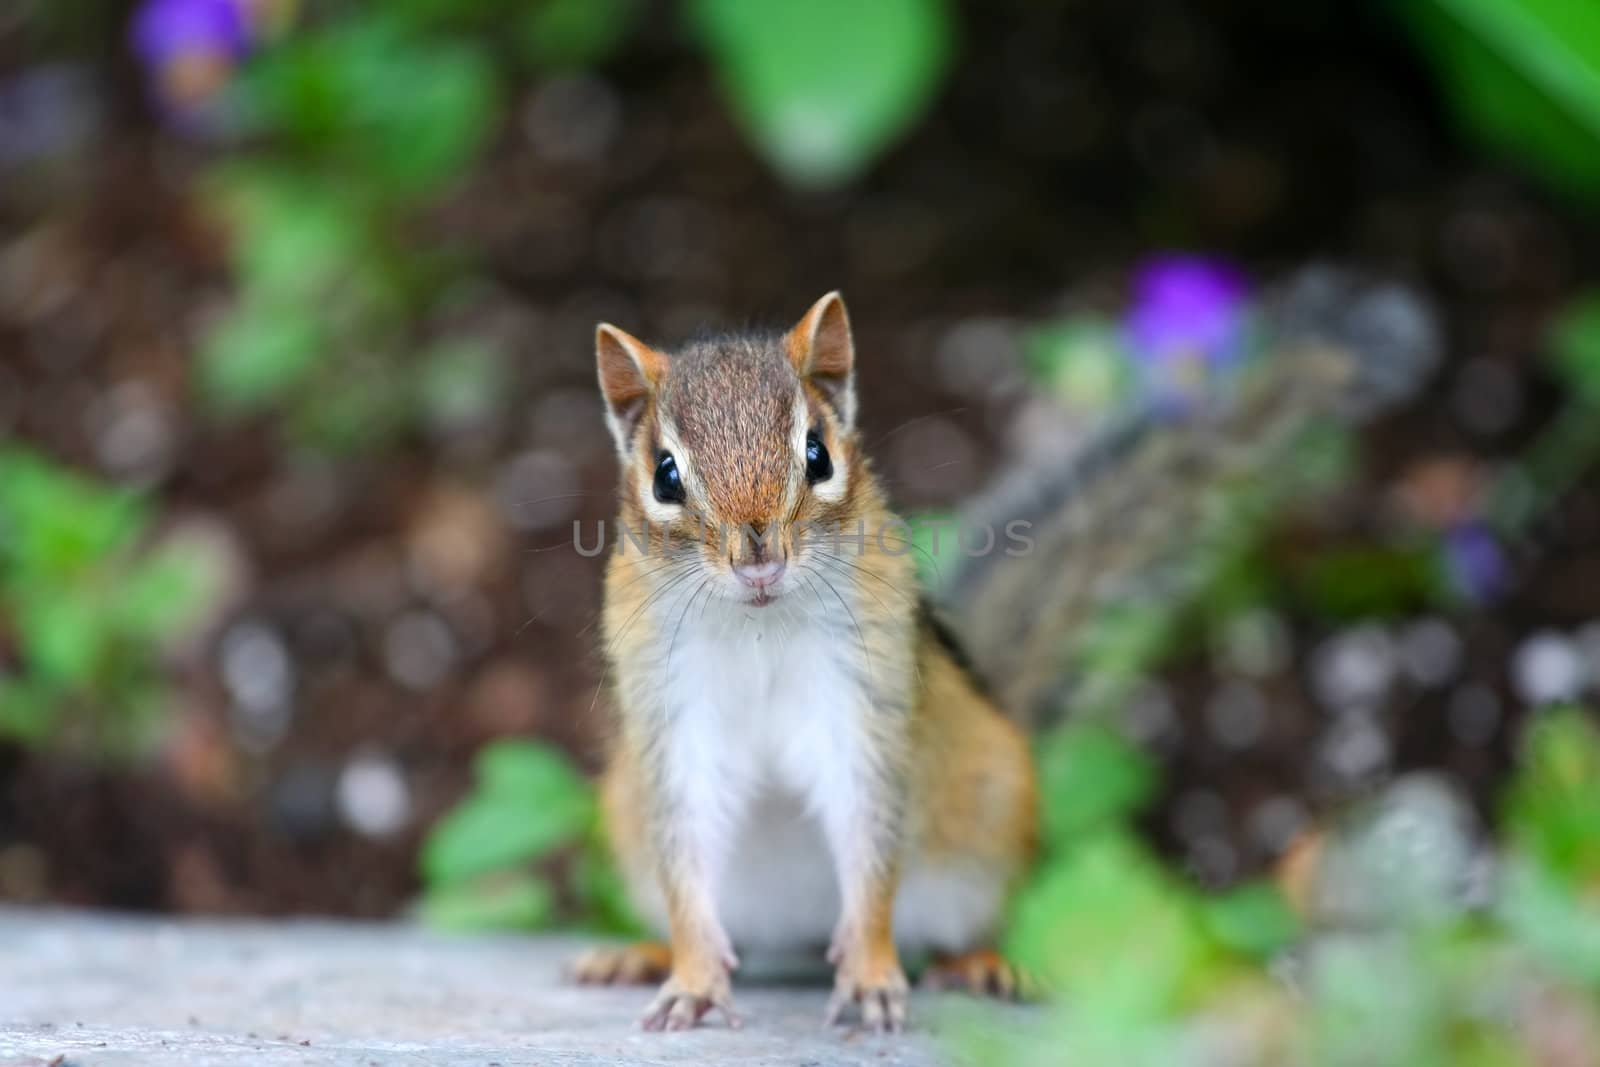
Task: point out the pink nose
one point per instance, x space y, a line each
760 575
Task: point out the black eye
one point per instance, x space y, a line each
819 468
669 486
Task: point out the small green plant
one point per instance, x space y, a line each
89 606
523 849
1142 967
360 119
368 121
1552 811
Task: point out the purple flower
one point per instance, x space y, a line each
1188 324
189 48
1474 562
168 31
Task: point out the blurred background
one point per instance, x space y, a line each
297 412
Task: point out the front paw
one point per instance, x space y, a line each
685 999
880 992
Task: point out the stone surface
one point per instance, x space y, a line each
95 989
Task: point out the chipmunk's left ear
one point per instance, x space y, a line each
824 354
630 372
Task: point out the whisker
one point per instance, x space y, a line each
678 628
913 421
912 545
860 636
668 586
846 576
547 499
823 554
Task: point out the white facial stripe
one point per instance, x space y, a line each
833 490
799 426
654 509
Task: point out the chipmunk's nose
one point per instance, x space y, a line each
762 575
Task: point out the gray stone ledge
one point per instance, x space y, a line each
98 989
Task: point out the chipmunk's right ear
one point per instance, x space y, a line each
824 354
630 372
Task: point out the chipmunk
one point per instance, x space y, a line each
801 756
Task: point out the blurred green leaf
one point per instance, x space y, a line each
1252 920
162 594
62 638
1556 919
1365 582
1552 809
54 524
1103 924
1575 342
87 608
25 712
563 34
258 354
936 546
1089 777
600 886
1525 74
402 111
1376 1003
504 902
296 237
824 86
1082 361
528 801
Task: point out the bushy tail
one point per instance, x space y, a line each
1119 517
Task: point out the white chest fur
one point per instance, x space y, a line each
763 724
763 717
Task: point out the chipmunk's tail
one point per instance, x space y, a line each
1117 518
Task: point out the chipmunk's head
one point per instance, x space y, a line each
741 450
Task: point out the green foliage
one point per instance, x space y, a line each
1253 920
1575 342
1143 968
1553 807
824 86
1525 75
1569 445
1552 814
1083 362
400 113
493 860
1370 581
364 121
561 34
91 606
527 803
1089 778
1103 924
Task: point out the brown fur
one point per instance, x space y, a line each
952 781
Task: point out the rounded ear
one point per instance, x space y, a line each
630 371
824 354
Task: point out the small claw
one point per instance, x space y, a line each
724 1004
1003 983
899 1006
883 1010
873 1016
837 1002
655 1016
686 1011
